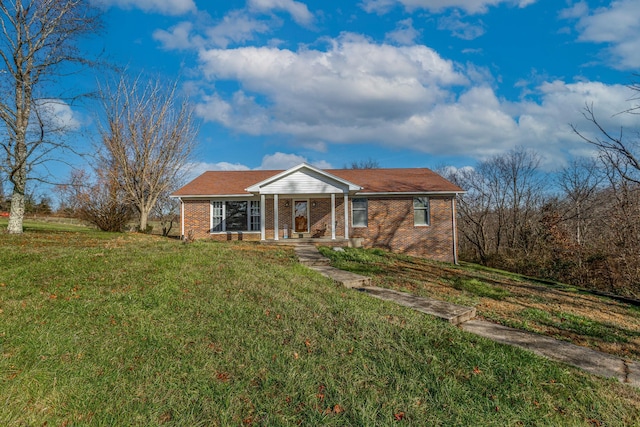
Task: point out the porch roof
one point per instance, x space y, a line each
371 181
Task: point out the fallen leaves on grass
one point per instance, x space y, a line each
223 376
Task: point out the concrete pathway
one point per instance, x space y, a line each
446 311
592 361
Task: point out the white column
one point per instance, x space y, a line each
333 216
275 217
346 216
262 216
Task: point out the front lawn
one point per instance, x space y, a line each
553 309
128 329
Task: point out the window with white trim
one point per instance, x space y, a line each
420 211
217 216
254 215
236 215
359 213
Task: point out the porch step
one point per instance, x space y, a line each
308 255
310 241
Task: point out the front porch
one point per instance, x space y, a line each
304 202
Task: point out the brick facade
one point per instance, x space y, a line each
390 224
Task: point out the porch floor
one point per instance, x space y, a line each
325 241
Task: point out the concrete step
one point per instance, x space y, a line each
308 255
324 241
346 278
452 313
313 262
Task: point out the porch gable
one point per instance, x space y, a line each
303 179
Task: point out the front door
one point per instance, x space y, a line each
301 216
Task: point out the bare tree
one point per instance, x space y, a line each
96 199
37 43
499 212
365 164
475 210
148 136
615 149
580 182
166 210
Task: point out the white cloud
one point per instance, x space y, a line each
395 96
236 27
378 6
178 37
275 161
279 161
166 7
617 26
404 34
469 6
577 10
298 11
458 28
196 169
59 115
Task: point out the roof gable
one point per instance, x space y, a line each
303 179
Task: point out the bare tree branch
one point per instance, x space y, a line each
37 41
148 136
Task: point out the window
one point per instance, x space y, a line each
217 216
359 212
254 216
238 215
420 211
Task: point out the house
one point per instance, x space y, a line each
410 211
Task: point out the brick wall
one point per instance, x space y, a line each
390 224
197 218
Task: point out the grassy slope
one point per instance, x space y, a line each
106 329
557 310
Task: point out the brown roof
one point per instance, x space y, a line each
409 180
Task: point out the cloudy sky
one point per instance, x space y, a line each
409 83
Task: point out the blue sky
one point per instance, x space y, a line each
409 83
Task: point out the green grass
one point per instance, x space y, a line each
30 225
104 329
479 288
549 308
573 323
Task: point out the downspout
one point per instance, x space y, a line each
455 230
182 218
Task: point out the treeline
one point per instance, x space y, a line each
580 225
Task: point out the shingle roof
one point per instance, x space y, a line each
408 180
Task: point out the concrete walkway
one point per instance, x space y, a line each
592 361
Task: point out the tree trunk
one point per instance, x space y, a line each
17 210
144 217
19 181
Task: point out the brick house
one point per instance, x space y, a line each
411 211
